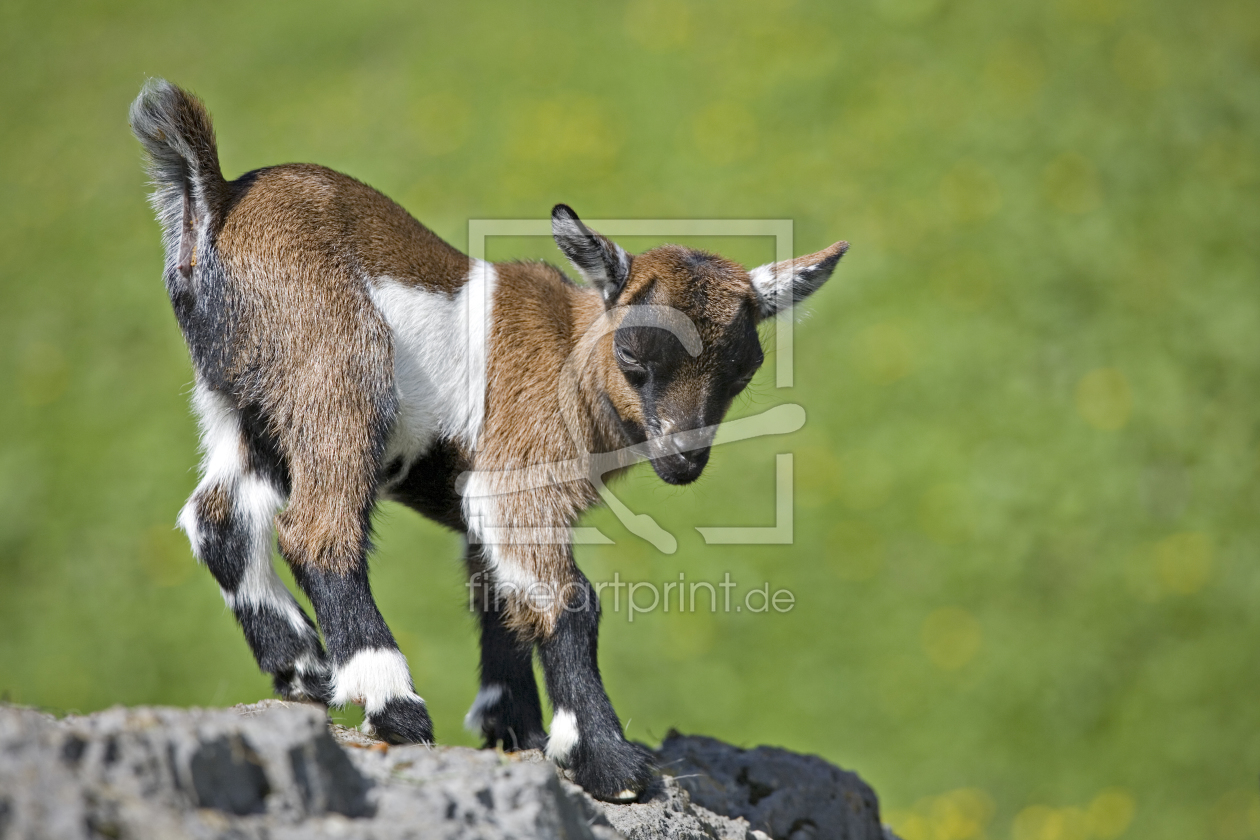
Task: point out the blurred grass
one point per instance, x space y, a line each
1025 533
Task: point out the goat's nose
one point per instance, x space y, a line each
691 439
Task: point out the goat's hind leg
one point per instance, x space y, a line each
324 532
323 535
229 521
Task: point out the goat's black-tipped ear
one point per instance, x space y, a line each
784 283
603 263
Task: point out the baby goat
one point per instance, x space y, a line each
343 352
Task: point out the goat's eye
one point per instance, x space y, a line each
625 357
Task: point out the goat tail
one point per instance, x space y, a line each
183 159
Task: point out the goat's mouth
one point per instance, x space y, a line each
678 467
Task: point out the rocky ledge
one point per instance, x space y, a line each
278 771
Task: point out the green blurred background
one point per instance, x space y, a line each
1025 533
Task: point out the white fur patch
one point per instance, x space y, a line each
187 522
564 735
221 453
782 284
372 678
310 674
773 286
439 359
488 526
487 698
255 503
260 586
220 435
308 663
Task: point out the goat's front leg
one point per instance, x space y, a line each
586 735
547 601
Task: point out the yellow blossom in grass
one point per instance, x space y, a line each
1071 184
1103 399
961 814
1236 815
1110 814
951 637
970 193
1042 822
1183 562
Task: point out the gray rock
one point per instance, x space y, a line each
277 770
462 792
669 813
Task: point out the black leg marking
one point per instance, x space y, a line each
295 659
368 668
221 538
586 736
507 710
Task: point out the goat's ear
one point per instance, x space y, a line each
791 281
603 263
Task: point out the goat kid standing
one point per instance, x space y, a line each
343 353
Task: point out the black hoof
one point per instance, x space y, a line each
508 722
505 735
402 721
614 771
307 685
